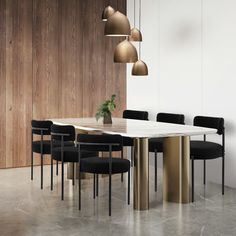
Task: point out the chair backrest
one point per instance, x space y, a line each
100 143
41 127
67 131
210 122
137 115
170 118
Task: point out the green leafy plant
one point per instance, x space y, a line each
106 108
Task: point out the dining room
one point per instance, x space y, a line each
117 117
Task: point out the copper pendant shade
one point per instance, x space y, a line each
125 52
107 12
135 35
140 68
117 25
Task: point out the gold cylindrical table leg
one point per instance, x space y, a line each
141 174
176 158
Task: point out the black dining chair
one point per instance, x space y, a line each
63 134
42 146
206 150
156 144
135 115
41 128
107 165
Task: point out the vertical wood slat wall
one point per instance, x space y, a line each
54 62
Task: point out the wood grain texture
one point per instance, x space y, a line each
45 59
94 80
70 41
55 62
3 83
18 81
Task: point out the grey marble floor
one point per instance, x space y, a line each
26 210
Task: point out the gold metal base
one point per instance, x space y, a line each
176 158
141 174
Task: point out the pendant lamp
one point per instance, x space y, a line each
140 68
117 25
107 12
125 52
135 34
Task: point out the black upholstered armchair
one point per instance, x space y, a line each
98 165
42 146
206 150
62 152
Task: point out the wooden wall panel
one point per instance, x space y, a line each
3 83
46 82
54 62
70 71
18 81
79 61
93 56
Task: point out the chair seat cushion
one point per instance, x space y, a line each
205 150
156 144
71 154
127 141
36 146
100 165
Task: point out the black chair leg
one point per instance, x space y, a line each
122 157
41 171
132 156
155 166
97 185
51 173
57 168
62 181
94 185
32 165
73 173
192 179
110 194
223 175
79 190
204 172
129 187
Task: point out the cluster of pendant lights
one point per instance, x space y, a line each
117 24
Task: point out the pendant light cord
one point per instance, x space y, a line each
140 27
134 13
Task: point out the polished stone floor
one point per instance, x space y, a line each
26 210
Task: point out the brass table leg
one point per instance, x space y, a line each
141 174
176 158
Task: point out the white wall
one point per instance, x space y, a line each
190 49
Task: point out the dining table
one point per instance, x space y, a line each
176 153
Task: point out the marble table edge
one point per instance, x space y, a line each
202 130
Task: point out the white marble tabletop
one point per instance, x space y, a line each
134 128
